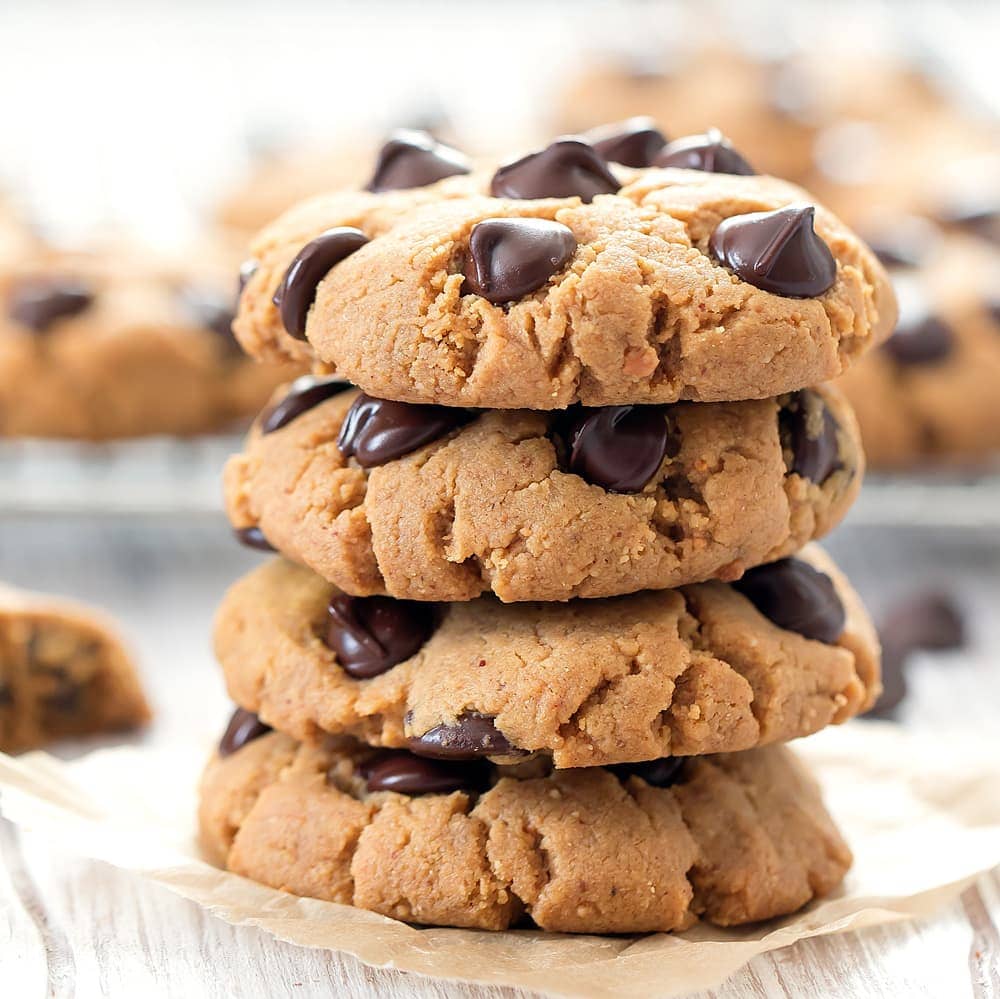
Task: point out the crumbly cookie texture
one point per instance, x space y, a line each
640 313
738 838
63 672
141 349
490 507
678 672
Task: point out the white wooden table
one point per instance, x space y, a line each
70 927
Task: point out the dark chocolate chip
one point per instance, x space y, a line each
372 634
376 430
809 431
568 168
6 695
415 159
633 142
471 737
253 537
209 309
618 448
906 243
295 294
920 338
796 597
243 727
511 258
711 152
66 696
993 309
777 251
247 270
304 394
405 773
978 217
39 302
664 772
894 686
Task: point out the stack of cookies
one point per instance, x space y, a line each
546 606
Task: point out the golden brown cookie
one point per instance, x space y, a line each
63 672
541 506
730 839
682 672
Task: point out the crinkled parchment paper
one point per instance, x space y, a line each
922 816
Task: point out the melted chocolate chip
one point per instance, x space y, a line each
405 773
243 727
920 338
778 252
39 302
664 772
796 597
415 159
711 152
511 258
305 393
618 448
568 168
634 142
295 294
809 431
471 737
247 270
253 537
372 634
376 430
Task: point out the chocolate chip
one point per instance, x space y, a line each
619 448
253 537
778 252
376 430
295 294
208 309
243 727
568 168
405 773
633 142
415 159
993 309
247 270
472 736
6 695
906 243
796 597
664 772
304 394
809 432
372 634
920 338
511 258
711 152
66 696
39 302
979 217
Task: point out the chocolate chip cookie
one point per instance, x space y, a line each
729 839
430 503
63 673
712 667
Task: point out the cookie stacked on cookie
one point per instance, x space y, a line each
546 606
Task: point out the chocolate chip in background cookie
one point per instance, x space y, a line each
297 291
253 537
244 726
405 773
904 243
633 142
567 168
6 695
664 772
511 258
412 158
619 448
793 595
808 432
921 337
38 302
472 736
305 393
210 310
372 634
778 252
375 431
978 216
711 152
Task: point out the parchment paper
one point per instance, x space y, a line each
922 816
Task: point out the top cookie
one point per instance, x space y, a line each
573 283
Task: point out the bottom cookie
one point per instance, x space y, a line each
639 848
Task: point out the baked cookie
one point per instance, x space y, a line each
575 283
730 839
712 667
63 672
105 345
428 503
